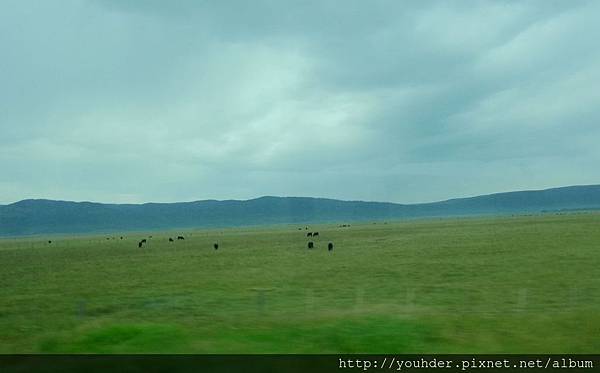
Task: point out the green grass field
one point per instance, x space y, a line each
489 285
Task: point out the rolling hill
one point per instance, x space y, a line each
31 217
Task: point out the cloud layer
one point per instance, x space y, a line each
127 101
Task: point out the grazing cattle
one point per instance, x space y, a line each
330 246
49 241
180 238
315 234
143 241
216 246
121 237
309 234
170 239
140 243
311 245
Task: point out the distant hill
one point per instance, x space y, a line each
31 217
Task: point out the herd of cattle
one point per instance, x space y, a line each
143 241
310 245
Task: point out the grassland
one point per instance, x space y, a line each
493 285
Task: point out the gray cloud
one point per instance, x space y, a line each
131 101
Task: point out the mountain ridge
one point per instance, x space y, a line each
46 216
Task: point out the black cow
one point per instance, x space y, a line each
216 246
143 241
49 241
309 234
140 243
315 234
330 246
170 239
180 238
121 237
311 245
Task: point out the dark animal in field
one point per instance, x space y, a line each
121 237
311 245
180 238
140 243
170 239
143 241
330 246
108 238
309 234
49 241
306 228
216 246
149 236
315 234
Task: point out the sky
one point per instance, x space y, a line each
129 101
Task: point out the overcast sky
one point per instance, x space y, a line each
403 101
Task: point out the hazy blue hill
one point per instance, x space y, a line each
29 217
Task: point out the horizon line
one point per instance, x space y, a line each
307 197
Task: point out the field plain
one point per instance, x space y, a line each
526 284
